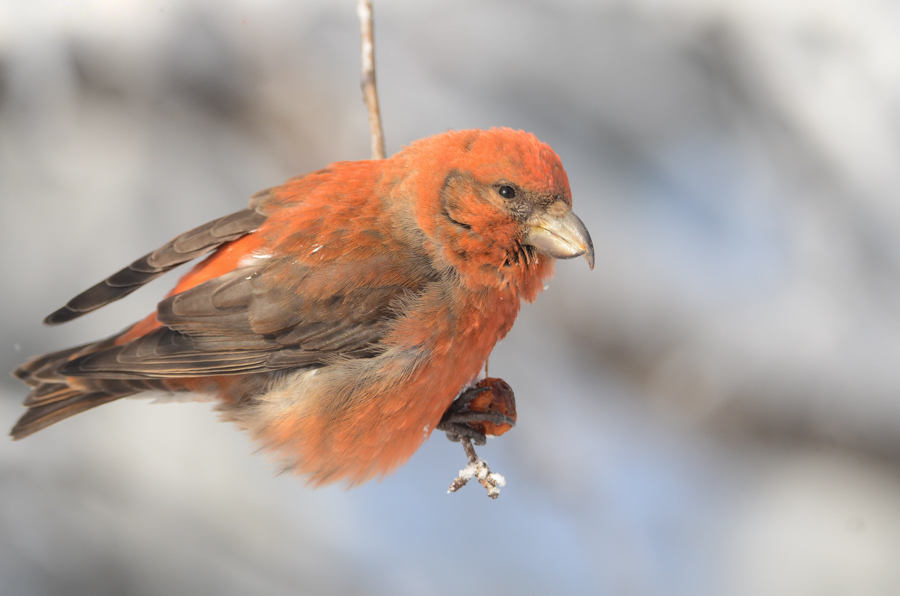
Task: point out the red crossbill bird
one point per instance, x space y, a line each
340 314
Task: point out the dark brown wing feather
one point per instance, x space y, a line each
53 397
40 369
276 315
182 249
293 310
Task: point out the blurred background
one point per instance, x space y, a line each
715 409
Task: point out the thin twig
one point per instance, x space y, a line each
479 469
370 93
470 450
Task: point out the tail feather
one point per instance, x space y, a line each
55 397
42 416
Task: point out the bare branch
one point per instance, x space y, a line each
370 93
477 468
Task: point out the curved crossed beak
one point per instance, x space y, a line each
560 237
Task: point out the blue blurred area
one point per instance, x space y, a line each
712 410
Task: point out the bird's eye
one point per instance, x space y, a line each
507 192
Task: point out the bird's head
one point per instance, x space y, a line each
497 198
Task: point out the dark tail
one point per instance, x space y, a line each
55 397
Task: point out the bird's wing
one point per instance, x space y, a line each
327 284
182 249
282 314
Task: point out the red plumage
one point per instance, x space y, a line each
337 318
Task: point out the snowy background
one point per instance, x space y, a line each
715 409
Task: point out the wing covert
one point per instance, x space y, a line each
279 314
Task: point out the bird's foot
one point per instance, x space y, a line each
487 409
